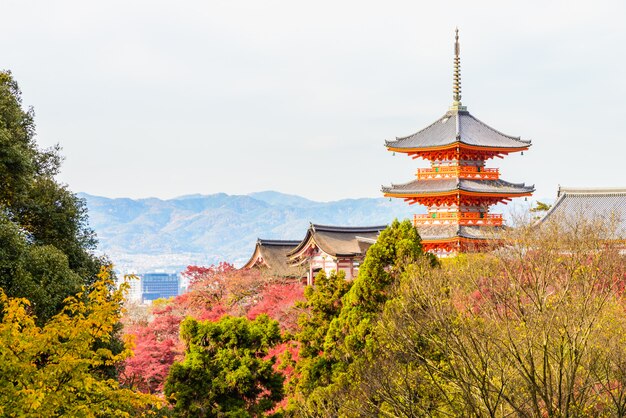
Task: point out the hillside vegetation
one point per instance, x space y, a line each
533 327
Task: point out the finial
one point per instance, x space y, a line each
456 84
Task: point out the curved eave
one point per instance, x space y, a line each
457 191
456 144
255 258
302 244
295 256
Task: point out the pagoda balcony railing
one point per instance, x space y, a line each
464 172
456 218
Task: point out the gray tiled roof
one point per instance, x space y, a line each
447 185
340 240
608 204
348 229
458 126
274 254
438 232
277 242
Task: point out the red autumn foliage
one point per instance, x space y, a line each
214 292
157 346
197 274
286 355
277 301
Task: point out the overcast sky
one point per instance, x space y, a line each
154 98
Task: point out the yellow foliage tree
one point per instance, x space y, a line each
52 370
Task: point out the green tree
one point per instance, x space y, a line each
323 304
396 250
48 371
348 343
534 329
45 242
541 207
41 272
226 371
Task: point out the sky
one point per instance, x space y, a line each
154 98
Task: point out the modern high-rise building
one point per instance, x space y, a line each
134 282
158 285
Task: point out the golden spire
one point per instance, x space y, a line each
456 84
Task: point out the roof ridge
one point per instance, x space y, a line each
453 184
501 181
338 228
516 138
278 242
399 138
385 189
591 190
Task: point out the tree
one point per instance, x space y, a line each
348 341
397 248
215 291
224 372
48 371
156 348
534 328
40 272
541 207
40 219
323 304
278 301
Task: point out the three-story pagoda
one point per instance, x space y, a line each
457 189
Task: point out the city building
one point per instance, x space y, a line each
158 285
134 281
135 291
457 188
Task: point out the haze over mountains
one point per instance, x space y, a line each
149 234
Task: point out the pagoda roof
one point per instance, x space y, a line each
592 203
272 254
433 187
338 241
457 126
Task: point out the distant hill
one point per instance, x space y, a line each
149 234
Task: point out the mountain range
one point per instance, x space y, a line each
151 234
155 234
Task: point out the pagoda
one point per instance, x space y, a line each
457 189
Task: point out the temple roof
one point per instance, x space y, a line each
272 254
601 203
458 126
449 185
338 241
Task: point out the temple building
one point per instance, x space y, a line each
339 248
592 203
271 257
457 188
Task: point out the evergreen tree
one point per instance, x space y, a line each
396 250
348 340
323 304
225 371
45 242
